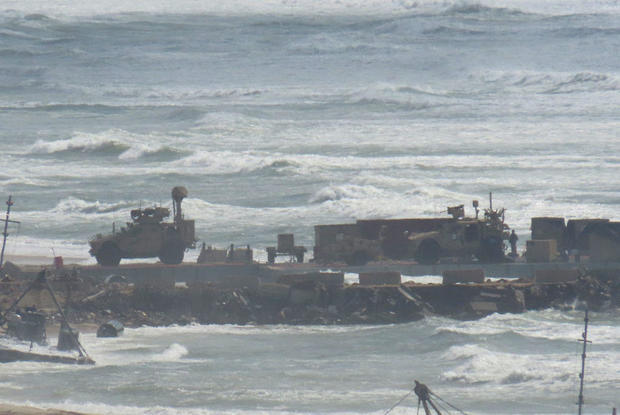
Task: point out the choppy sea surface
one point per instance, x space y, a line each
278 115
502 364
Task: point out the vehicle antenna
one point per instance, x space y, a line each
584 339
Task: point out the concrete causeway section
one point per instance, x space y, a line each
505 270
223 272
290 293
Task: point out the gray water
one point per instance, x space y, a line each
280 115
520 364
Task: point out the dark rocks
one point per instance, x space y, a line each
313 302
303 300
306 302
541 296
112 328
472 300
598 290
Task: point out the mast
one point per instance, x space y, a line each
584 339
9 203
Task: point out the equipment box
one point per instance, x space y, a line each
541 250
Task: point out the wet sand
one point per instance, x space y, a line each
25 260
6 409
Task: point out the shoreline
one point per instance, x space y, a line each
10 409
44 260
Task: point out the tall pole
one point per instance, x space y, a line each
9 203
584 339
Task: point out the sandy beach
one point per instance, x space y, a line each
6 409
25 260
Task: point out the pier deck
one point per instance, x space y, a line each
189 272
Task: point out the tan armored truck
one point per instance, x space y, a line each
424 239
148 236
344 243
463 238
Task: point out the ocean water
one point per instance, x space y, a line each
502 364
278 115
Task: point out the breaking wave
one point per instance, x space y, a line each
585 82
386 104
148 151
551 82
333 193
73 205
118 143
480 365
172 353
178 94
478 9
549 325
228 162
82 143
442 30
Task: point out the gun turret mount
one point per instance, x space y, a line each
178 194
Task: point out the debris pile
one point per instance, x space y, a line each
311 299
599 290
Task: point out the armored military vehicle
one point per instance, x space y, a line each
148 236
462 237
424 239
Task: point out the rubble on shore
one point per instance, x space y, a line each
316 302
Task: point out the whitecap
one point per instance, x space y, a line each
78 143
173 353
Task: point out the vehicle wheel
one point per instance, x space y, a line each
172 252
357 258
109 255
428 252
